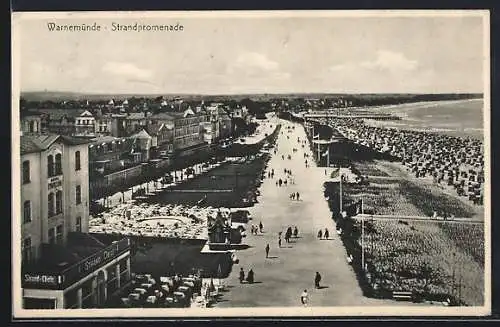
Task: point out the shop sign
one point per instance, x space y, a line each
55 182
96 261
42 280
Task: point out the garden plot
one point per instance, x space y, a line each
368 168
426 258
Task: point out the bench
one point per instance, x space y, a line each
402 296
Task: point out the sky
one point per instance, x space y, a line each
232 55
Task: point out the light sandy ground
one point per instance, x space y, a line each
398 170
290 269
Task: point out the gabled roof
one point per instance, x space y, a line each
86 113
154 129
188 112
141 135
104 139
38 143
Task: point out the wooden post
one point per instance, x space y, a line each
363 242
340 193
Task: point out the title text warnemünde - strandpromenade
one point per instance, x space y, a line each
115 27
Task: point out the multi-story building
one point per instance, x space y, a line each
85 125
162 138
188 133
118 125
225 124
240 112
213 114
135 122
103 124
31 123
62 265
58 121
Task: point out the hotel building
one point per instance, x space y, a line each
62 265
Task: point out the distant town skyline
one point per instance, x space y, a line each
256 55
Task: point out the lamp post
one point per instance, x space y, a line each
340 194
453 275
362 237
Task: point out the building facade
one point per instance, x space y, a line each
62 266
85 125
31 123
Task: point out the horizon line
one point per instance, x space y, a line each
256 93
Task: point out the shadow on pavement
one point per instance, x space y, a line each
322 287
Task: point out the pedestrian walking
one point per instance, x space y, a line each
304 298
327 234
320 234
317 280
280 182
242 275
279 242
285 182
250 277
295 232
297 195
267 250
252 229
261 227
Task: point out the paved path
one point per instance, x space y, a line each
281 278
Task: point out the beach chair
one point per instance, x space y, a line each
134 297
125 301
151 299
140 291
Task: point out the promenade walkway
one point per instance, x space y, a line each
281 278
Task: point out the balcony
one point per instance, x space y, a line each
54 170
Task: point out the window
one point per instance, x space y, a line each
52 236
26 172
59 200
27 212
50 204
77 160
78 225
27 254
58 164
50 166
59 234
78 196
32 126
